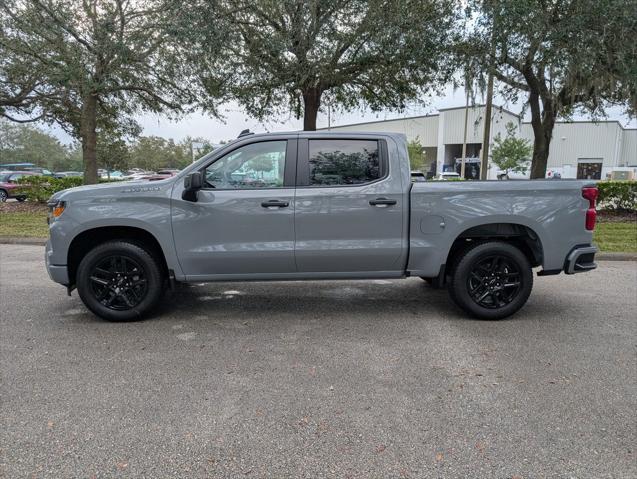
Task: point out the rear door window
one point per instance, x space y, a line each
334 162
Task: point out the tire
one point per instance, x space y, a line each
119 281
21 198
3 196
491 280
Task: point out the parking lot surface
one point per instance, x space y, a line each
318 379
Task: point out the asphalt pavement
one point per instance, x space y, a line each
347 379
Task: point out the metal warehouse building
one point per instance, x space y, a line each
579 149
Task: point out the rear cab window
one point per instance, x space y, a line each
342 162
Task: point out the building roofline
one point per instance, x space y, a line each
481 105
495 107
382 121
566 122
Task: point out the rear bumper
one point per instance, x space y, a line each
58 273
580 260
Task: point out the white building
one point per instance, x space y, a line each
579 149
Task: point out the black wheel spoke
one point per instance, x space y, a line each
110 299
104 273
103 282
119 282
494 281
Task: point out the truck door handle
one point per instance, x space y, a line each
382 202
275 203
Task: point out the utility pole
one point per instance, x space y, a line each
464 138
484 163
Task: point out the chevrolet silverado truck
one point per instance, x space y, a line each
310 206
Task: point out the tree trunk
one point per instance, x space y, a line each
542 123
311 104
88 133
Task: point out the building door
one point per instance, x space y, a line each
589 168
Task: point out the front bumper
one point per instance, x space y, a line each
58 273
580 260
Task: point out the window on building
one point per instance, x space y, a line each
343 162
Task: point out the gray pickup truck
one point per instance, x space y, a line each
316 206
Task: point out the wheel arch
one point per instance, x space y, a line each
88 239
522 236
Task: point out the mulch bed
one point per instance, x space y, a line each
24 207
609 216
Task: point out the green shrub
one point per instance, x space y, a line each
40 188
617 195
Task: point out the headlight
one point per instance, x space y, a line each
56 208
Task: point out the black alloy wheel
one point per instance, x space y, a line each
119 282
491 279
494 281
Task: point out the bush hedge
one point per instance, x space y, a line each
41 188
617 195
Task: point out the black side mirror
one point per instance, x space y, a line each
193 182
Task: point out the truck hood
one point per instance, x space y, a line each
110 189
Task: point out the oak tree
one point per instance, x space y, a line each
565 56
90 65
288 55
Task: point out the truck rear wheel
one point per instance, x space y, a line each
491 280
119 281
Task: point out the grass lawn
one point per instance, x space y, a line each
616 237
30 221
24 224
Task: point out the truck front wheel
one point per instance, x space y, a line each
491 280
119 281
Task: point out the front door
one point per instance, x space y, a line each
243 220
349 208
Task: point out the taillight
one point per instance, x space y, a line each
590 193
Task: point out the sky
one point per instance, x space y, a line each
235 120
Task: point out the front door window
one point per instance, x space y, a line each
257 165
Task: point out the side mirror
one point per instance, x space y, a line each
193 182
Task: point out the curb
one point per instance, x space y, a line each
18 240
42 241
616 257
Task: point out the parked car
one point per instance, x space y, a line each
68 174
448 175
39 171
16 166
418 176
9 185
312 217
160 175
138 175
168 172
111 175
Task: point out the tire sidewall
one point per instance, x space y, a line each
459 291
135 252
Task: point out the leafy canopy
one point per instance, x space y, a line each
284 55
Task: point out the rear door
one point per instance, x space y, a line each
350 207
243 220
